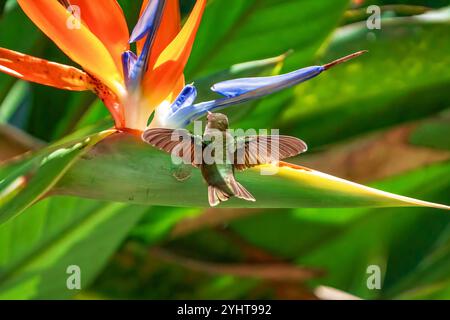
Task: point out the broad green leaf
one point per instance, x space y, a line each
137 274
159 222
406 243
13 100
28 180
39 246
403 77
96 112
123 168
14 143
257 29
397 240
2 6
429 278
15 19
372 241
398 10
433 134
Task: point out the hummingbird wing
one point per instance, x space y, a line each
178 142
255 150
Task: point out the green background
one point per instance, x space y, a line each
381 120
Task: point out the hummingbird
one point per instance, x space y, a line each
218 153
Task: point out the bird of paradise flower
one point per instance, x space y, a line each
133 86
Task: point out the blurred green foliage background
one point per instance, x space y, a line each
382 120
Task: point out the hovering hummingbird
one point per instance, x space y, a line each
228 153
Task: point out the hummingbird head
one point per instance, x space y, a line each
217 121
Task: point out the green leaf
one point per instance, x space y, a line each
403 77
433 134
123 168
2 6
408 244
159 222
28 180
40 245
16 20
13 100
255 29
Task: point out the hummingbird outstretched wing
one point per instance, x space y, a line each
178 142
256 150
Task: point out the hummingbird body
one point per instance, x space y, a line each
220 175
219 178
222 154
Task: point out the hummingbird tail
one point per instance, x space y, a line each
216 196
240 192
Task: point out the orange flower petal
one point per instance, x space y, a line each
111 101
42 71
60 76
159 83
180 84
180 48
78 42
106 21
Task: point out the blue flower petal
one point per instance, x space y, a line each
182 117
147 20
186 98
265 85
147 25
239 91
129 59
